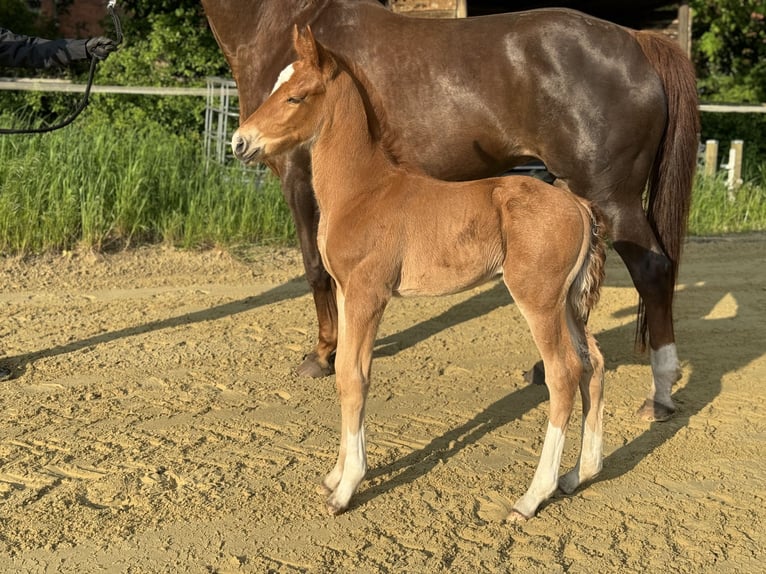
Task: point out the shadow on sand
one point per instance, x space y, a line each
293 288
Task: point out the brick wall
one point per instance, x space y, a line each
81 19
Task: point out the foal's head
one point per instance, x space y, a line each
292 113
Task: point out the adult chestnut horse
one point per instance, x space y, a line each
611 112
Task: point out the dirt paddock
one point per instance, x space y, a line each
154 424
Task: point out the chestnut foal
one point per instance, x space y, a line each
380 235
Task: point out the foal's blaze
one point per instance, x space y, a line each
378 237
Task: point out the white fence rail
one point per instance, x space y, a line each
45 85
734 108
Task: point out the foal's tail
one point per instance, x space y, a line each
671 179
586 287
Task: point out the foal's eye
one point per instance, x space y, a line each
294 100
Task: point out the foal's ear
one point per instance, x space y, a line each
305 45
310 50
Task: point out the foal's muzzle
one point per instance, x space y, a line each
244 149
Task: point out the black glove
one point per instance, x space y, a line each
100 47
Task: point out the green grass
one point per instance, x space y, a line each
100 184
717 211
97 185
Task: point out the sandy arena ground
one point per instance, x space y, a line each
154 424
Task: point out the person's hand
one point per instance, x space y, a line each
100 47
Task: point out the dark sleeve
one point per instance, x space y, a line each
18 51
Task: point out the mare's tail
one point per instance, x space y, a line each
586 287
672 175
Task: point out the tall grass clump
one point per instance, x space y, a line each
716 211
101 183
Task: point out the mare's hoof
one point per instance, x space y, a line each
314 367
653 411
536 375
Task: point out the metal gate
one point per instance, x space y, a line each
221 121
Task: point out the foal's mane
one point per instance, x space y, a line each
377 119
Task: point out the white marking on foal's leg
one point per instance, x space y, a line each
544 482
666 370
284 75
354 469
331 481
590 462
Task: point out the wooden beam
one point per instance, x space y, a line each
685 27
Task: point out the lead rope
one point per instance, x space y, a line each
84 102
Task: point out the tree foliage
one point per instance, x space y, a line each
166 43
14 15
729 41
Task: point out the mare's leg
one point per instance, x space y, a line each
592 393
651 271
296 185
563 369
360 308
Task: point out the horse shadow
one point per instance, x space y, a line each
292 289
419 463
473 307
705 361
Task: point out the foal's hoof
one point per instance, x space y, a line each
323 489
314 367
516 517
653 411
334 509
569 482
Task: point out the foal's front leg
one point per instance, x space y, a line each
359 313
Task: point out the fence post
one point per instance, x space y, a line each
734 167
711 157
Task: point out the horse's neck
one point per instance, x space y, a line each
255 37
347 160
238 22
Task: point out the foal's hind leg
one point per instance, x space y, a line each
563 370
592 393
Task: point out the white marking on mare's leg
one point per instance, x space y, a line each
284 75
666 370
545 481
